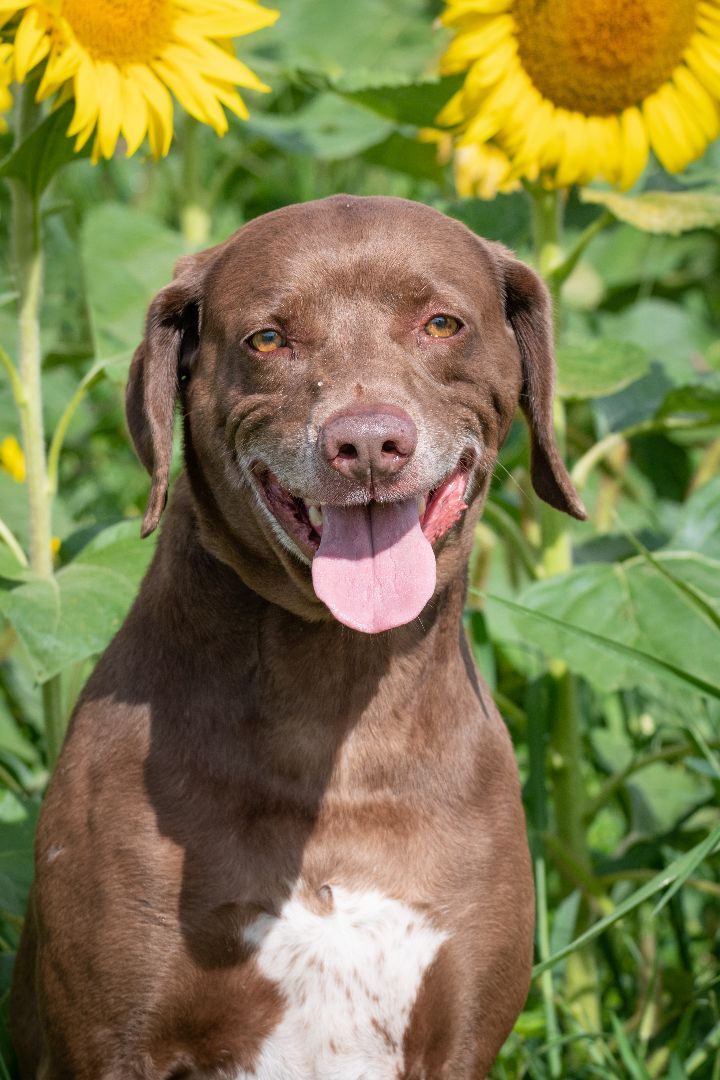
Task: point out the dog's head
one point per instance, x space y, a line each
347 371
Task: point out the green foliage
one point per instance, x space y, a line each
632 624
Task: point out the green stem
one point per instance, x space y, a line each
13 543
566 752
194 218
612 785
28 263
16 385
53 462
563 270
28 257
536 706
600 450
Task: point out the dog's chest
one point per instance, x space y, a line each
349 970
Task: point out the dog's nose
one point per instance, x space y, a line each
369 443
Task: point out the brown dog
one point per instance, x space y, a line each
275 847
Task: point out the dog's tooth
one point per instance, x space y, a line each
315 515
422 505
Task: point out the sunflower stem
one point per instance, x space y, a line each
565 744
194 218
25 227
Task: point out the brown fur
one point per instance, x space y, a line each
234 737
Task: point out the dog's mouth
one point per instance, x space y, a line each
373 565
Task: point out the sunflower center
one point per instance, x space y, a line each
121 31
600 56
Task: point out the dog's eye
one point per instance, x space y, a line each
442 326
267 341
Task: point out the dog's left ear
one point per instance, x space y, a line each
528 310
161 361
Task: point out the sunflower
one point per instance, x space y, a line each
122 59
578 89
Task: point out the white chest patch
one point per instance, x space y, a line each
350 976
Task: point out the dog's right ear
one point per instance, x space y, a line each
172 333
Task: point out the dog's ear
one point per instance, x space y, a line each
161 362
528 310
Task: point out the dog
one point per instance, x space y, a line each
285 838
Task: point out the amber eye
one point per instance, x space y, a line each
442 326
267 341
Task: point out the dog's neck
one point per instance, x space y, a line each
304 689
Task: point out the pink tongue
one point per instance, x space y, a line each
374 568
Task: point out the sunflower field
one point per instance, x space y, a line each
580 133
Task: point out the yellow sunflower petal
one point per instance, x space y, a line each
669 137
459 11
476 42
634 139
134 114
59 68
219 65
31 43
87 101
192 93
110 115
232 101
705 110
160 110
241 19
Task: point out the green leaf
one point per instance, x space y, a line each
661 881
598 367
693 859
505 218
416 102
46 150
408 156
636 1070
701 400
666 331
671 212
329 128
75 615
11 737
699 527
363 42
619 624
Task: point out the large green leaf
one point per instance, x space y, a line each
597 367
672 212
702 400
620 624
329 128
406 155
416 102
699 528
128 256
672 334
74 616
361 42
505 218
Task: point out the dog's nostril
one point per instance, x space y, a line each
391 447
347 450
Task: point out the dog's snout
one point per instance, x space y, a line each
372 443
